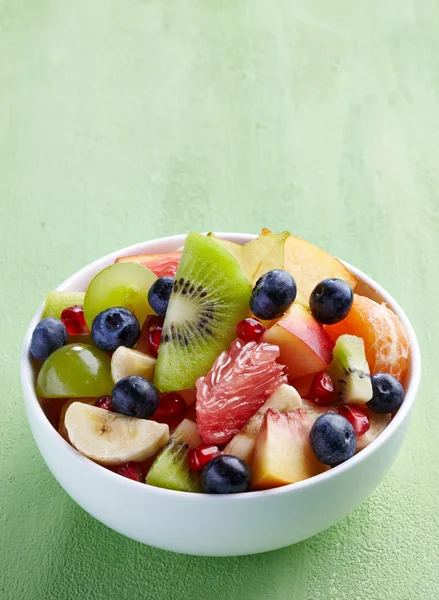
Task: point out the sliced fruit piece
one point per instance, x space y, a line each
309 265
123 285
284 399
283 454
210 296
264 254
110 438
56 302
75 371
236 250
385 339
150 335
126 361
159 264
170 469
303 385
349 370
304 346
62 430
377 424
315 410
235 388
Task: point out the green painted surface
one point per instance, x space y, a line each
122 120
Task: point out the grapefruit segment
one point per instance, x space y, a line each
235 388
159 264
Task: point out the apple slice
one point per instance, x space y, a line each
283 453
284 399
377 425
159 264
309 265
305 347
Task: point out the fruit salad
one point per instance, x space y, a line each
221 368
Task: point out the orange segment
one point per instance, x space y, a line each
385 340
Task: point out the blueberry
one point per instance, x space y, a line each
135 396
159 293
115 327
273 294
332 439
331 300
49 335
226 474
388 394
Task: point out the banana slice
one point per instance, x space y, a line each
284 399
126 361
110 438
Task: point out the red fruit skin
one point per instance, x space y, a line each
356 417
250 330
74 321
237 385
150 335
104 402
171 410
305 348
131 471
198 458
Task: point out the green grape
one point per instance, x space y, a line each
75 371
121 284
56 302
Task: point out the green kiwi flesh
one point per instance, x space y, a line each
210 296
349 370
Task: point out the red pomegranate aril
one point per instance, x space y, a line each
322 390
104 402
171 410
155 333
198 457
131 471
74 321
250 330
356 417
150 335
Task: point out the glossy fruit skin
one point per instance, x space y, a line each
356 417
75 371
323 390
104 402
273 294
131 470
226 474
331 300
49 335
198 458
250 330
115 327
171 410
150 335
388 394
74 320
159 294
135 396
332 439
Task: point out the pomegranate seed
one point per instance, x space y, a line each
322 389
73 319
131 471
356 417
104 402
171 409
198 457
150 335
250 330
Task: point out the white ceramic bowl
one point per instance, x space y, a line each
217 525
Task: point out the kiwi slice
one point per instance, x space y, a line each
349 370
56 302
210 296
170 469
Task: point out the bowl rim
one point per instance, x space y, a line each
31 400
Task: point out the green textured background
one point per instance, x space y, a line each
123 120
